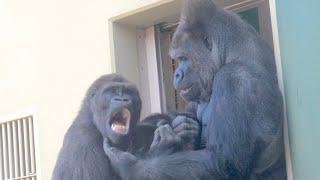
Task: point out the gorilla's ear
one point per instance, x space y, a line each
207 42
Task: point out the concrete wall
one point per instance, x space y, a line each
299 27
50 52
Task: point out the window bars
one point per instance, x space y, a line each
18 149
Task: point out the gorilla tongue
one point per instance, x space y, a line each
120 121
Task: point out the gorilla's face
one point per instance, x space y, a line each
186 80
116 110
198 60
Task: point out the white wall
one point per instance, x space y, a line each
50 52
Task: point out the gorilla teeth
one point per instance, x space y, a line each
119 128
120 121
184 91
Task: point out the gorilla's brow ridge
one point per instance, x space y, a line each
127 87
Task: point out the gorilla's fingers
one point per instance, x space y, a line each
116 155
183 119
187 134
156 138
128 157
162 122
178 120
106 145
110 151
169 141
166 131
120 161
186 127
168 137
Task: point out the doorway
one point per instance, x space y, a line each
255 12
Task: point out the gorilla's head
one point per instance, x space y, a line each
115 106
197 46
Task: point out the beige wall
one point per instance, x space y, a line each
50 51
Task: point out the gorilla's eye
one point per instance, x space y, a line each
114 90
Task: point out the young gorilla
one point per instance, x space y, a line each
82 156
110 111
229 70
154 136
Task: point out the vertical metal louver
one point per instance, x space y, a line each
18 150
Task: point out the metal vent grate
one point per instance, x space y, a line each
17 149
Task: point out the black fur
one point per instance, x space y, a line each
145 136
82 156
229 71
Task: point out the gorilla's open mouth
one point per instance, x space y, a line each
120 121
185 91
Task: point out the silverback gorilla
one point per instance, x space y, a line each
229 71
110 113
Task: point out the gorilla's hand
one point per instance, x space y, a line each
120 161
188 130
165 141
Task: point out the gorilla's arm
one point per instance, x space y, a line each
146 136
82 156
180 131
187 165
111 103
242 112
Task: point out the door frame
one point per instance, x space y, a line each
134 24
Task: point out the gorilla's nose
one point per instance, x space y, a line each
121 99
178 77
